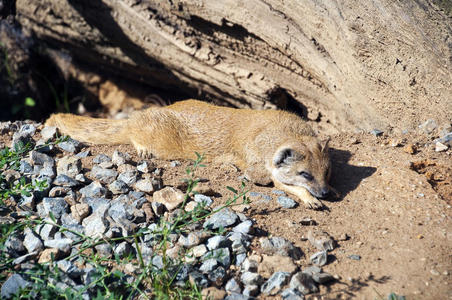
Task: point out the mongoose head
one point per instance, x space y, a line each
304 164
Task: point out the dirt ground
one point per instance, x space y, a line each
391 212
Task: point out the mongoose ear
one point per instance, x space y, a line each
284 156
324 145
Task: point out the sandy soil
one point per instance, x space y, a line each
394 218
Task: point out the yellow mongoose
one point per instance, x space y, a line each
267 144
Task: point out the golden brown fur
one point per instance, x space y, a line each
268 145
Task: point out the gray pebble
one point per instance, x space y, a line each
24 134
250 278
304 283
25 167
32 242
56 206
292 294
38 158
217 276
251 290
235 296
240 258
69 165
46 231
69 268
320 258
376 132
120 158
287 202
224 218
217 241
83 154
312 270
428 126
94 225
118 187
232 286
158 208
48 132
198 278
208 265
70 145
200 198
104 175
128 177
249 265
100 158
12 286
354 257
14 246
281 246
143 167
157 261
245 227
64 180
122 249
322 278
175 163
274 284
24 258
222 255
94 190
63 244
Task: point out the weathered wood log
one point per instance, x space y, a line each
358 65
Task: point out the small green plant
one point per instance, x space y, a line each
108 280
10 160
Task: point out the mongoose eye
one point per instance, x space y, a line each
306 175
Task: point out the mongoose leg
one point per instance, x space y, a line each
302 193
258 175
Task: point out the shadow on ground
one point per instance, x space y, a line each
345 177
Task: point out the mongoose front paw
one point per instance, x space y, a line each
312 203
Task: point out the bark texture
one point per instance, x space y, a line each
354 64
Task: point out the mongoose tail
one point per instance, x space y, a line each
91 130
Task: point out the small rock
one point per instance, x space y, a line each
275 283
251 290
376 132
322 278
46 255
205 200
175 163
198 278
101 158
56 206
280 246
224 218
14 246
217 276
287 202
199 250
192 239
232 286
94 225
69 165
40 159
439 147
63 244
24 258
123 249
249 265
428 126
80 211
83 154
64 180
13 285
213 293
48 132
118 187
120 158
103 175
410 149
245 227
104 250
25 167
222 255
304 283
217 241
145 185
321 240
170 197
158 208
94 190
292 294
312 270
250 278
32 242
276 263
46 231
354 257
24 134
70 145
320 258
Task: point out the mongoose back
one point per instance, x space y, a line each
269 145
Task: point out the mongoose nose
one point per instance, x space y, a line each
324 192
